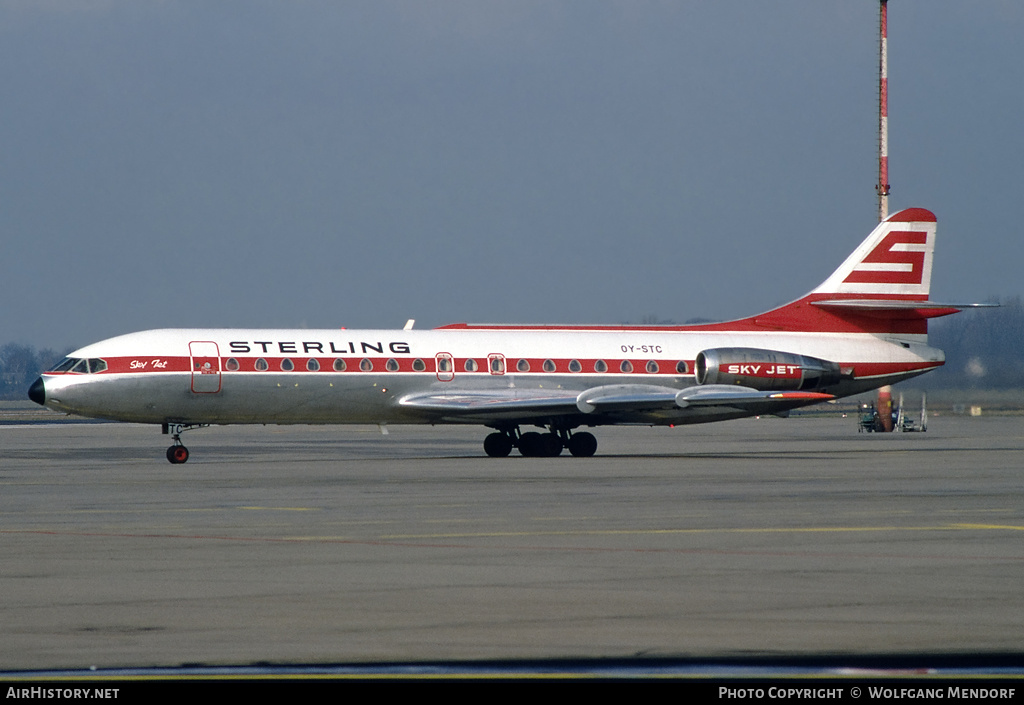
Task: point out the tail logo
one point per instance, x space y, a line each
897 259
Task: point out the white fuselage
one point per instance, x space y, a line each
227 376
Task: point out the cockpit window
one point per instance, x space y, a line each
66 364
80 365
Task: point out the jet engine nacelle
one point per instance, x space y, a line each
765 370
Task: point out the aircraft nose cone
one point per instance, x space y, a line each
37 392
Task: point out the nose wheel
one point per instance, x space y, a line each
177 454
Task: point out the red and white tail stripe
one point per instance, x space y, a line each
895 261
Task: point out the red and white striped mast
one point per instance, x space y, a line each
884 405
883 113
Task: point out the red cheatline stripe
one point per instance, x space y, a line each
123 365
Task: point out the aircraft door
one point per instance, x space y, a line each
496 363
445 366
204 356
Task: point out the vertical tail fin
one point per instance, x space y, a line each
882 287
894 262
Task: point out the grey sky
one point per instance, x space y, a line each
324 164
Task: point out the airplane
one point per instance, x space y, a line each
864 327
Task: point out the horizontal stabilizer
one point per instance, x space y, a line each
894 304
896 308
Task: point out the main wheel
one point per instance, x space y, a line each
551 445
498 445
583 445
530 444
177 454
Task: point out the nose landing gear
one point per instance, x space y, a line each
178 453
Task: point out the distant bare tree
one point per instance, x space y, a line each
18 363
19 366
983 348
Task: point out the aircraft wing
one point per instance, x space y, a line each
618 400
493 404
747 398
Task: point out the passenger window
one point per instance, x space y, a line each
626 366
366 365
262 365
287 365
312 364
575 366
523 366
391 365
444 364
652 367
681 367
600 366
471 365
418 365
231 365
549 366
339 365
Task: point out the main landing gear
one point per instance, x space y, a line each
178 453
540 445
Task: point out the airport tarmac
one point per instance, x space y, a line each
337 544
